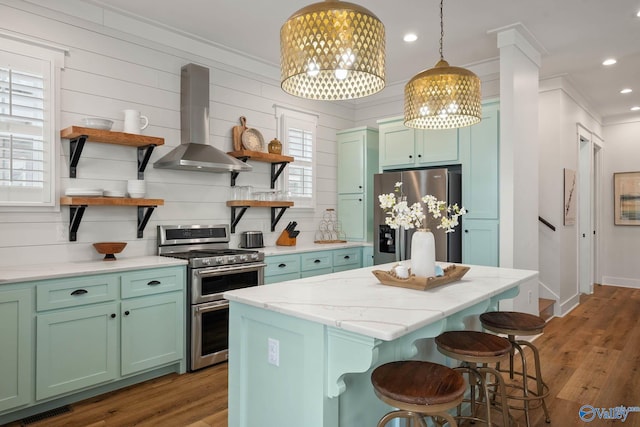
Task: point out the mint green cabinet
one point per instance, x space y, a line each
16 330
357 163
480 145
480 242
152 331
403 147
281 268
367 256
353 216
76 348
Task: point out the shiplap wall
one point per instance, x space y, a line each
109 69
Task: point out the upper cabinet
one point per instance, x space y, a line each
403 147
357 163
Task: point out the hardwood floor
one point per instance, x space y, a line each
589 357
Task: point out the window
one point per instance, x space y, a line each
27 124
297 131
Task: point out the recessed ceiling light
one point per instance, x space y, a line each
638 14
636 108
410 37
626 90
609 61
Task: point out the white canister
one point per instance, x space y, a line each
423 253
134 122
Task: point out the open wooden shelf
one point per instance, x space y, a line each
260 156
110 137
109 201
260 203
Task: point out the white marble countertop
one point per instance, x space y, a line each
356 301
36 271
311 247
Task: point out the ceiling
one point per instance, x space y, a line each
577 35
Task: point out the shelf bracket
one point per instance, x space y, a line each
234 175
75 217
144 213
144 153
235 219
76 145
276 217
276 170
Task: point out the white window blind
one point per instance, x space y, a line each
27 130
298 135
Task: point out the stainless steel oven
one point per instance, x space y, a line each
212 269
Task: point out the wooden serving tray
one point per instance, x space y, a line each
452 273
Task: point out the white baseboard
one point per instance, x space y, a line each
568 305
625 282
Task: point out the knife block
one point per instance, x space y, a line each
285 240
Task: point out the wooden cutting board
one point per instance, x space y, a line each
237 134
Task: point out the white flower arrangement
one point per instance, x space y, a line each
400 214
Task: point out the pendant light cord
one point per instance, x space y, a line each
441 30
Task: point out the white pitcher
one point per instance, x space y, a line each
134 122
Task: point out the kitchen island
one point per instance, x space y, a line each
302 352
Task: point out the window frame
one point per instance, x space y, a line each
289 117
52 60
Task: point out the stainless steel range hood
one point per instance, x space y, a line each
194 152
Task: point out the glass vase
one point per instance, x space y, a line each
423 253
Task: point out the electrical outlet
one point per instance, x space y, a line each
530 297
273 357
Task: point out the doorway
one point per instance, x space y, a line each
589 194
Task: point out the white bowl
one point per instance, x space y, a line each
136 195
97 123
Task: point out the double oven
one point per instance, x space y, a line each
212 269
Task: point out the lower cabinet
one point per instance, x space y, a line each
480 242
308 264
16 330
88 331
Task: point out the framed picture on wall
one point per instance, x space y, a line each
569 197
626 198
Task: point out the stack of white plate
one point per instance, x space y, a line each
114 193
83 192
136 188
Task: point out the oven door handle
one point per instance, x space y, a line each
212 306
218 271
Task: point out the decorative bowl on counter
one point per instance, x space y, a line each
97 123
109 249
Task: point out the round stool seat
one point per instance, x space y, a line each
418 383
474 344
512 322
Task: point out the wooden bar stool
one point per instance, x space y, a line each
513 323
418 389
473 348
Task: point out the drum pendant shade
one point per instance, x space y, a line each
332 50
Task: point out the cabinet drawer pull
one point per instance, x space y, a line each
317 261
466 231
113 315
126 313
153 283
410 156
282 265
79 292
347 257
419 156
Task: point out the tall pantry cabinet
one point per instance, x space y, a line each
357 163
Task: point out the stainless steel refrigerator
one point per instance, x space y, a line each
395 245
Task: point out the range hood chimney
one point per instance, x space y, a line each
194 152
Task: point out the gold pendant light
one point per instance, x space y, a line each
332 50
442 97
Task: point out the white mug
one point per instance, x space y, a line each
134 122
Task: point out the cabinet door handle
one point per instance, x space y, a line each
359 200
360 186
410 156
466 231
347 257
153 283
317 261
79 292
126 313
419 155
113 315
282 265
